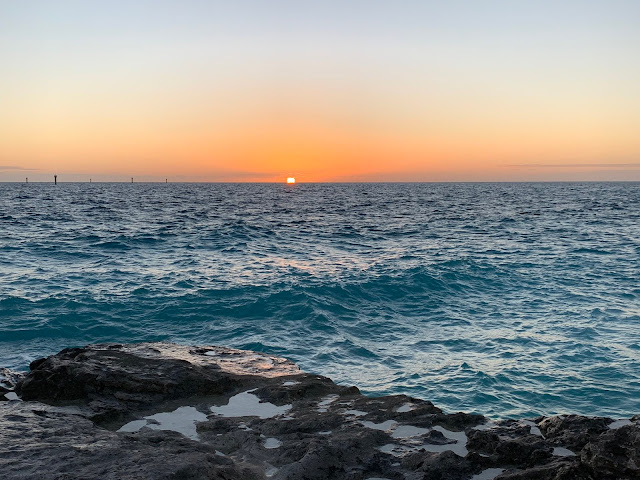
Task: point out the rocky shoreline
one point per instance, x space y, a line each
164 411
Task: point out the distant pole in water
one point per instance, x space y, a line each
55 179
89 180
131 179
26 180
166 180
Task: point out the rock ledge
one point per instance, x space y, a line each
164 411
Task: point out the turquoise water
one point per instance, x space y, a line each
502 299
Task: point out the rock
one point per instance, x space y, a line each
9 378
573 431
615 453
8 381
551 471
38 441
116 379
166 411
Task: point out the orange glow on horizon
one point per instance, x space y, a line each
239 97
326 138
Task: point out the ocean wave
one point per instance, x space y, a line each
525 303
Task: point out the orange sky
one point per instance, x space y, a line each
212 99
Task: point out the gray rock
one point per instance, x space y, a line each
164 411
38 441
615 453
9 378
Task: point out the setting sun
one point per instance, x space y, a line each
291 180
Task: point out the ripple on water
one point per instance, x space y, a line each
523 303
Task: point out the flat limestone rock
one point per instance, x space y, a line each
164 411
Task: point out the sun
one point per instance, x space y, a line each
291 180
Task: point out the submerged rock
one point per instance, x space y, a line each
164 411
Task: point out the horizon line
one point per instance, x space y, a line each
319 183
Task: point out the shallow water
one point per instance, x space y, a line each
503 299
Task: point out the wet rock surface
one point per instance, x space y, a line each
163 411
8 381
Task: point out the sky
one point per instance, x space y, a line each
340 91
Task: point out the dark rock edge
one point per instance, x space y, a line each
72 403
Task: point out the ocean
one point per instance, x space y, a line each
506 299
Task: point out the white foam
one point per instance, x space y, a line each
326 401
182 420
328 432
289 384
246 404
488 474
220 454
563 452
407 431
355 413
619 423
272 443
11 396
385 426
407 407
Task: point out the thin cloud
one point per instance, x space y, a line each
570 165
4 168
226 175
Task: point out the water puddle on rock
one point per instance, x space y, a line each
619 424
355 413
385 426
409 432
488 474
246 404
563 452
325 402
272 443
534 430
407 407
182 420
